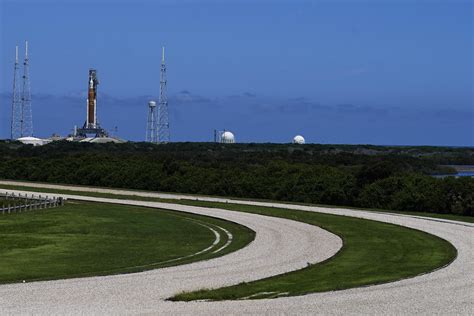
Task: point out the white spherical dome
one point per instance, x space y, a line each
298 139
227 137
152 104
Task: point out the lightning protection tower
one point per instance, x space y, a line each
163 119
26 121
152 123
22 118
15 128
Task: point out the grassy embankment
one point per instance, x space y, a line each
84 239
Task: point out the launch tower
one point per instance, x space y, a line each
163 119
15 128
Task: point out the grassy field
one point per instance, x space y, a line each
373 253
467 219
84 239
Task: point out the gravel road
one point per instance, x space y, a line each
280 245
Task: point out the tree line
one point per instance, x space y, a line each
320 174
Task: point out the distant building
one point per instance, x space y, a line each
298 139
227 138
29 140
102 140
224 137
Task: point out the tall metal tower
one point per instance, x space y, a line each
26 112
163 119
152 124
15 128
22 117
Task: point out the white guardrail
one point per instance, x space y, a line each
24 202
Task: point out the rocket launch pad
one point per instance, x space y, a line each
91 125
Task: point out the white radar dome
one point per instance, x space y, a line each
298 139
152 104
227 137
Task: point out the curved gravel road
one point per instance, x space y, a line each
446 291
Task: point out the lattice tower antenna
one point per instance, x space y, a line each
15 128
152 123
163 118
26 121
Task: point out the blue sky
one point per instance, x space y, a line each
382 72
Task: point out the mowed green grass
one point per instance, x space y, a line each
84 239
373 253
